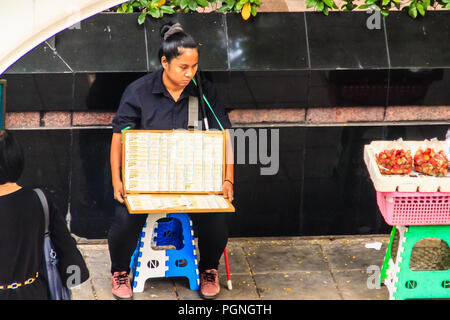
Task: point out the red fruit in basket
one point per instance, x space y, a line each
431 162
394 161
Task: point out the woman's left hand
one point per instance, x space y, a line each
227 190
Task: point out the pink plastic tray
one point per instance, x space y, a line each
414 208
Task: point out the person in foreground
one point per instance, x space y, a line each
159 101
22 233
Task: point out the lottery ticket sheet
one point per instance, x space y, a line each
174 163
148 203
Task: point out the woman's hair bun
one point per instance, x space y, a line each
169 29
173 38
165 28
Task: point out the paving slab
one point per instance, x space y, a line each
157 289
360 285
99 265
348 254
277 256
237 260
307 285
84 291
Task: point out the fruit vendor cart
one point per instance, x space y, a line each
413 194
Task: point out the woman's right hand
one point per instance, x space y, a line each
118 191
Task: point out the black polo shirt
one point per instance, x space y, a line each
146 104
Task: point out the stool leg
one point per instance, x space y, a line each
149 263
387 257
392 271
229 284
183 262
134 259
385 260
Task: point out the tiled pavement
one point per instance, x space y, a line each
294 268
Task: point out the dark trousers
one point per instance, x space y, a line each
211 230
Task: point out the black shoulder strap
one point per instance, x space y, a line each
44 202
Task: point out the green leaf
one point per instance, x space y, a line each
325 11
254 10
193 5
167 9
364 6
141 18
320 5
240 4
420 9
223 9
310 3
385 12
329 3
203 3
412 12
155 13
184 4
385 2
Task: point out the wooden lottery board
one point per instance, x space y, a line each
166 171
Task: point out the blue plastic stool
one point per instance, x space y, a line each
177 258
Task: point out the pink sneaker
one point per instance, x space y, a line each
209 284
121 287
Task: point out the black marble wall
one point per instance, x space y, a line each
240 89
322 186
277 60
